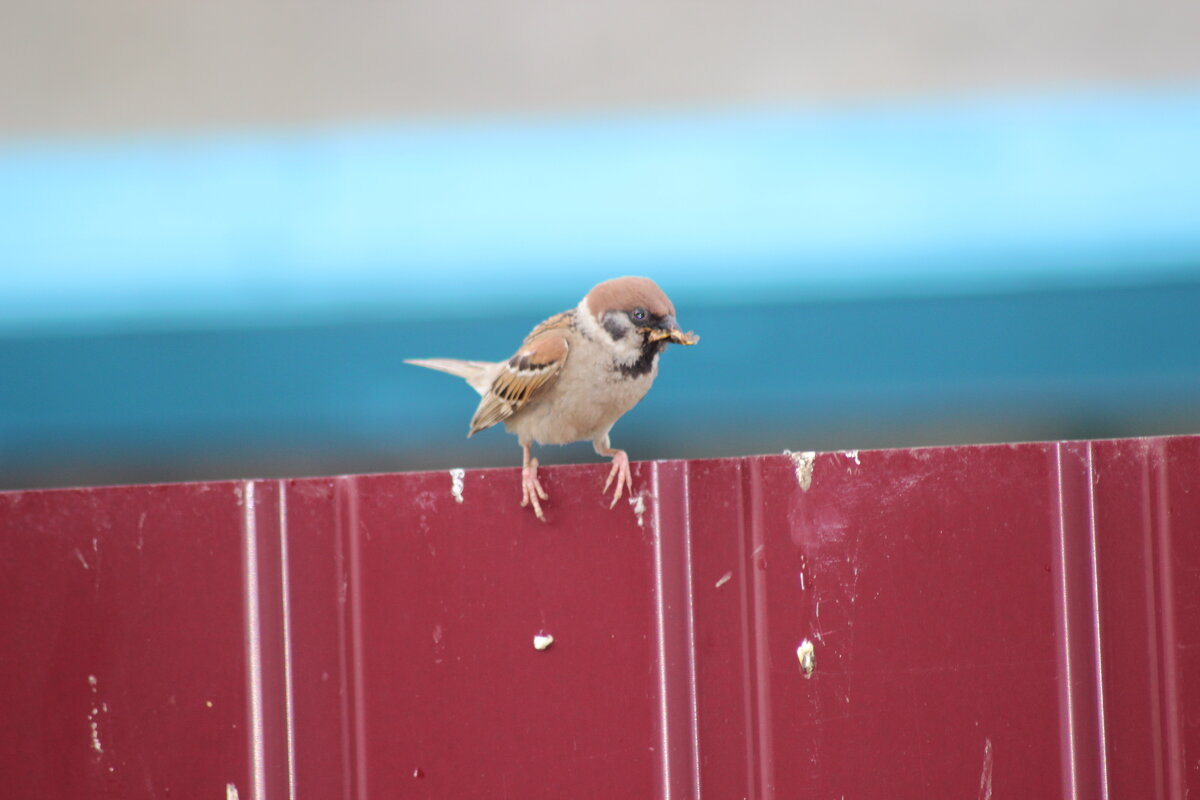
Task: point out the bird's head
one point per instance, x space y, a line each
636 315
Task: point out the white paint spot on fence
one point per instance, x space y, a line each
806 655
804 462
639 508
985 777
94 716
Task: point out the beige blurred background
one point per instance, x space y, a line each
72 66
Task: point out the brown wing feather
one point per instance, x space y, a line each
526 375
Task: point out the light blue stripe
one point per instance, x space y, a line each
979 195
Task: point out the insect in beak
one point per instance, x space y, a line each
673 335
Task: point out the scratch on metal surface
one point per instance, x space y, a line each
724 579
456 483
853 455
804 462
82 560
985 778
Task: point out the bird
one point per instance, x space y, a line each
574 376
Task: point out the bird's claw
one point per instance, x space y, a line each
620 470
531 489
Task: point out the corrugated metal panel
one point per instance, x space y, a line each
1008 620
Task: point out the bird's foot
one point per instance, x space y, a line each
620 471
531 489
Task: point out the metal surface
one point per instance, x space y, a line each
1008 621
123 661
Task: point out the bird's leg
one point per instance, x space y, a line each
620 468
531 489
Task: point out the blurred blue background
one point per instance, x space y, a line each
223 226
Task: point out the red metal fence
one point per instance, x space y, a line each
999 621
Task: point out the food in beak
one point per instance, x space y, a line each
675 335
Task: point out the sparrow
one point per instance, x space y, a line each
574 376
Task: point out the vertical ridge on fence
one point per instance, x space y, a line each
350 635
675 622
1081 696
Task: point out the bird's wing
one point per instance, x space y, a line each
526 375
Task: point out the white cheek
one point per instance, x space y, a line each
629 349
626 349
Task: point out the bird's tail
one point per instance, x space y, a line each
476 373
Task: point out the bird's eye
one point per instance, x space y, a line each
639 315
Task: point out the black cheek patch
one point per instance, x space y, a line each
615 329
645 362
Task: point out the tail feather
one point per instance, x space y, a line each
476 373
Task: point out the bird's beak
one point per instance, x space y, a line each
669 329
